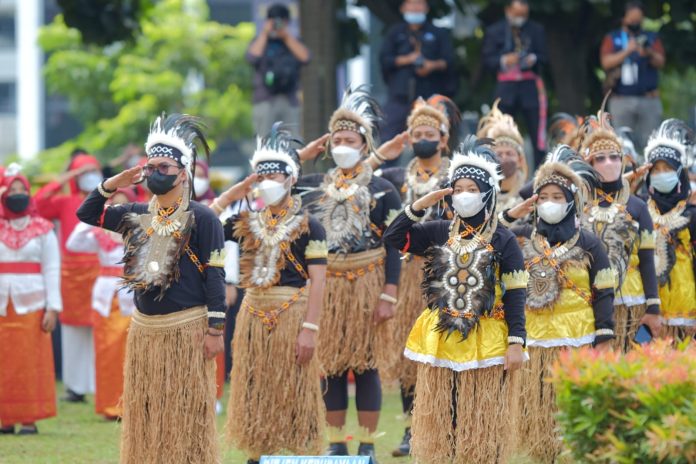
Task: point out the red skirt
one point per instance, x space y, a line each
27 379
110 334
77 277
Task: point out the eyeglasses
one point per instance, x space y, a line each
603 158
162 168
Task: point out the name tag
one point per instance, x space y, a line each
315 460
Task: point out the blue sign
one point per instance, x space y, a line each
315 460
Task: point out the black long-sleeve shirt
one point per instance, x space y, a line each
193 288
385 204
417 238
602 298
402 81
498 40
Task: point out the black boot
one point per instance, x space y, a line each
337 449
368 449
252 461
72 397
29 429
8 430
404 448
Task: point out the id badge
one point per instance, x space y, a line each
629 73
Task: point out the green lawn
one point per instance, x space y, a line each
77 435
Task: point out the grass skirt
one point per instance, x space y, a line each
467 416
409 307
275 405
349 339
169 391
540 439
627 321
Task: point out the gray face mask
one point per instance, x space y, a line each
89 181
517 21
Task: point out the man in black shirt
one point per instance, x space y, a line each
174 264
417 60
515 49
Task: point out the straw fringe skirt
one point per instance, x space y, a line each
169 391
349 338
409 307
538 428
627 320
468 416
275 405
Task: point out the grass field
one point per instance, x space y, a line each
78 436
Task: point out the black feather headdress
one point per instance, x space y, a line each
275 153
179 137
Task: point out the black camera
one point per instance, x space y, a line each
420 61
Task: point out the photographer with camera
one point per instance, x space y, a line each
277 57
417 60
631 58
515 49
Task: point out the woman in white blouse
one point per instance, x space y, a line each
29 302
113 306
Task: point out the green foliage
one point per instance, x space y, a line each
624 409
117 90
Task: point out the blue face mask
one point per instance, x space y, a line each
414 18
664 182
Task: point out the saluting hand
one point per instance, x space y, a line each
313 148
237 191
391 149
430 199
124 179
524 208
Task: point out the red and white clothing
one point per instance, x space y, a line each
29 283
109 249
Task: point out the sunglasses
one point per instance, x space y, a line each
162 168
603 158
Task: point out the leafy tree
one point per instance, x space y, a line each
180 62
104 21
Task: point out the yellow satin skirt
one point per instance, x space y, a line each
569 323
485 346
678 297
631 292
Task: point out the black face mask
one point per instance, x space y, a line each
634 28
425 149
160 184
17 203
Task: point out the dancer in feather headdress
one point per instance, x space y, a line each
623 224
174 264
428 134
470 336
509 149
675 224
569 294
355 207
275 396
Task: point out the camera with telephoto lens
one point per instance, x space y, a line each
420 61
642 40
278 24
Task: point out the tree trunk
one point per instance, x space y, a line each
317 22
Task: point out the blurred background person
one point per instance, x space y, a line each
203 192
632 58
417 60
277 57
515 49
113 306
78 273
29 303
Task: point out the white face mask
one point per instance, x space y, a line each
200 185
345 157
553 213
89 181
664 182
468 204
271 192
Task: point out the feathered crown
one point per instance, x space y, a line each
564 167
671 141
425 115
599 135
501 128
475 160
275 154
359 112
179 137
